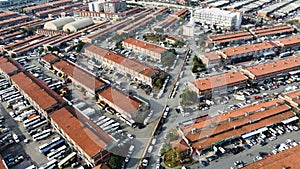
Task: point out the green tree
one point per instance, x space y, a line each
114 162
188 97
79 46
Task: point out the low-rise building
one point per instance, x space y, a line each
37 92
220 18
272 30
248 52
211 59
119 101
289 43
120 63
293 98
219 84
285 159
230 38
262 72
93 146
241 123
154 51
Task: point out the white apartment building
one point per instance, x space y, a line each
221 18
110 6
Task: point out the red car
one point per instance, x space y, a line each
257 97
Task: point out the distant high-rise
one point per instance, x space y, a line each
217 17
109 6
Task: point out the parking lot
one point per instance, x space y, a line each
257 151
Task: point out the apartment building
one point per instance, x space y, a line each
156 52
211 59
248 52
120 63
273 69
221 18
218 84
110 6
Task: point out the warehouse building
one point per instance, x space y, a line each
77 25
58 23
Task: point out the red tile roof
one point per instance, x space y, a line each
145 45
288 159
84 137
121 60
212 56
248 48
219 80
231 114
7 13
6 66
275 66
34 91
77 73
49 58
2 166
119 99
245 129
271 30
241 121
290 40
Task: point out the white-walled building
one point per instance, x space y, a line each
220 18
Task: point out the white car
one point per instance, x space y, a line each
272 138
16 138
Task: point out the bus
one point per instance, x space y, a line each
50 165
11 97
26 114
66 161
13 100
47 144
54 144
58 152
7 90
37 125
41 135
32 121
127 120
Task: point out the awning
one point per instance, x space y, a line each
254 132
286 121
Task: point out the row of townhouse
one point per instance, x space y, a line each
135 69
